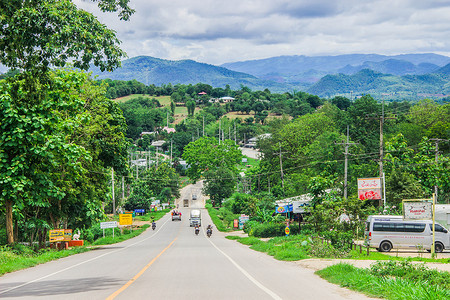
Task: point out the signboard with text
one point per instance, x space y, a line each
299 207
417 210
104 225
126 219
369 188
56 235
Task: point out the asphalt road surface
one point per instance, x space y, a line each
171 263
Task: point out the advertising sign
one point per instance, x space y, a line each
299 207
56 235
369 188
67 235
417 210
104 225
242 219
139 211
287 230
284 209
235 223
126 219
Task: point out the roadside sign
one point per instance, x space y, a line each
287 230
126 219
56 235
104 225
67 235
417 210
369 188
235 223
298 207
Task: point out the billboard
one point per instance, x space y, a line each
60 235
299 207
417 210
125 219
369 188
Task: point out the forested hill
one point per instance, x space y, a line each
366 81
150 70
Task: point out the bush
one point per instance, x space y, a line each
338 239
269 230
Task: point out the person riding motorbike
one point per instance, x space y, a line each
153 225
197 229
209 230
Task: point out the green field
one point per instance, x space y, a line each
163 100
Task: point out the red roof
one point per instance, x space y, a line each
202 93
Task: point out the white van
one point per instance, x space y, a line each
195 218
386 232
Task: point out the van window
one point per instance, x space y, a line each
398 227
438 228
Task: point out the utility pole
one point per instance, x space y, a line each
203 126
171 143
437 141
123 189
346 145
381 118
113 198
281 166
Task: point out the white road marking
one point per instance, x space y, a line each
246 274
81 263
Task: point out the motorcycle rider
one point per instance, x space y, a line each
153 224
209 230
197 229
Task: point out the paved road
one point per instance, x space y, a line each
171 263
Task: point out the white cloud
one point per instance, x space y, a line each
223 31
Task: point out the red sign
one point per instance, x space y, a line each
369 188
235 223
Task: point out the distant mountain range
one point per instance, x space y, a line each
150 70
408 76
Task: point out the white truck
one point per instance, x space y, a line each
195 218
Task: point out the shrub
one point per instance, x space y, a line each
269 230
338 239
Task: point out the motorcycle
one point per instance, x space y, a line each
209 232
153 225
197 230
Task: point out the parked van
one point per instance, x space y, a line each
386 232
195 218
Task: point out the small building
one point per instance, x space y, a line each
226 99
158 144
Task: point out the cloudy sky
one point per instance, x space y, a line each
217 32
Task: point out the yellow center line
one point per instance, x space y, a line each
116 293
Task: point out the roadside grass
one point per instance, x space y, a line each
388 287
11 261
21 257
297 247
127 234
222 219
156 215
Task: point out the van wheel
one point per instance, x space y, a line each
438 247
385 246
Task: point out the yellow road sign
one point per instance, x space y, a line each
125 219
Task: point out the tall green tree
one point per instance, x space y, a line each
207 154
35 36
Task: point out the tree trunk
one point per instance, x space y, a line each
9 221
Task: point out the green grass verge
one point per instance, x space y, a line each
107 240
11 261
155 215
297 247
362 280
218 222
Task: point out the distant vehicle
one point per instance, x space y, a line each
195 218
186 202
387 232
176 215
194 197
